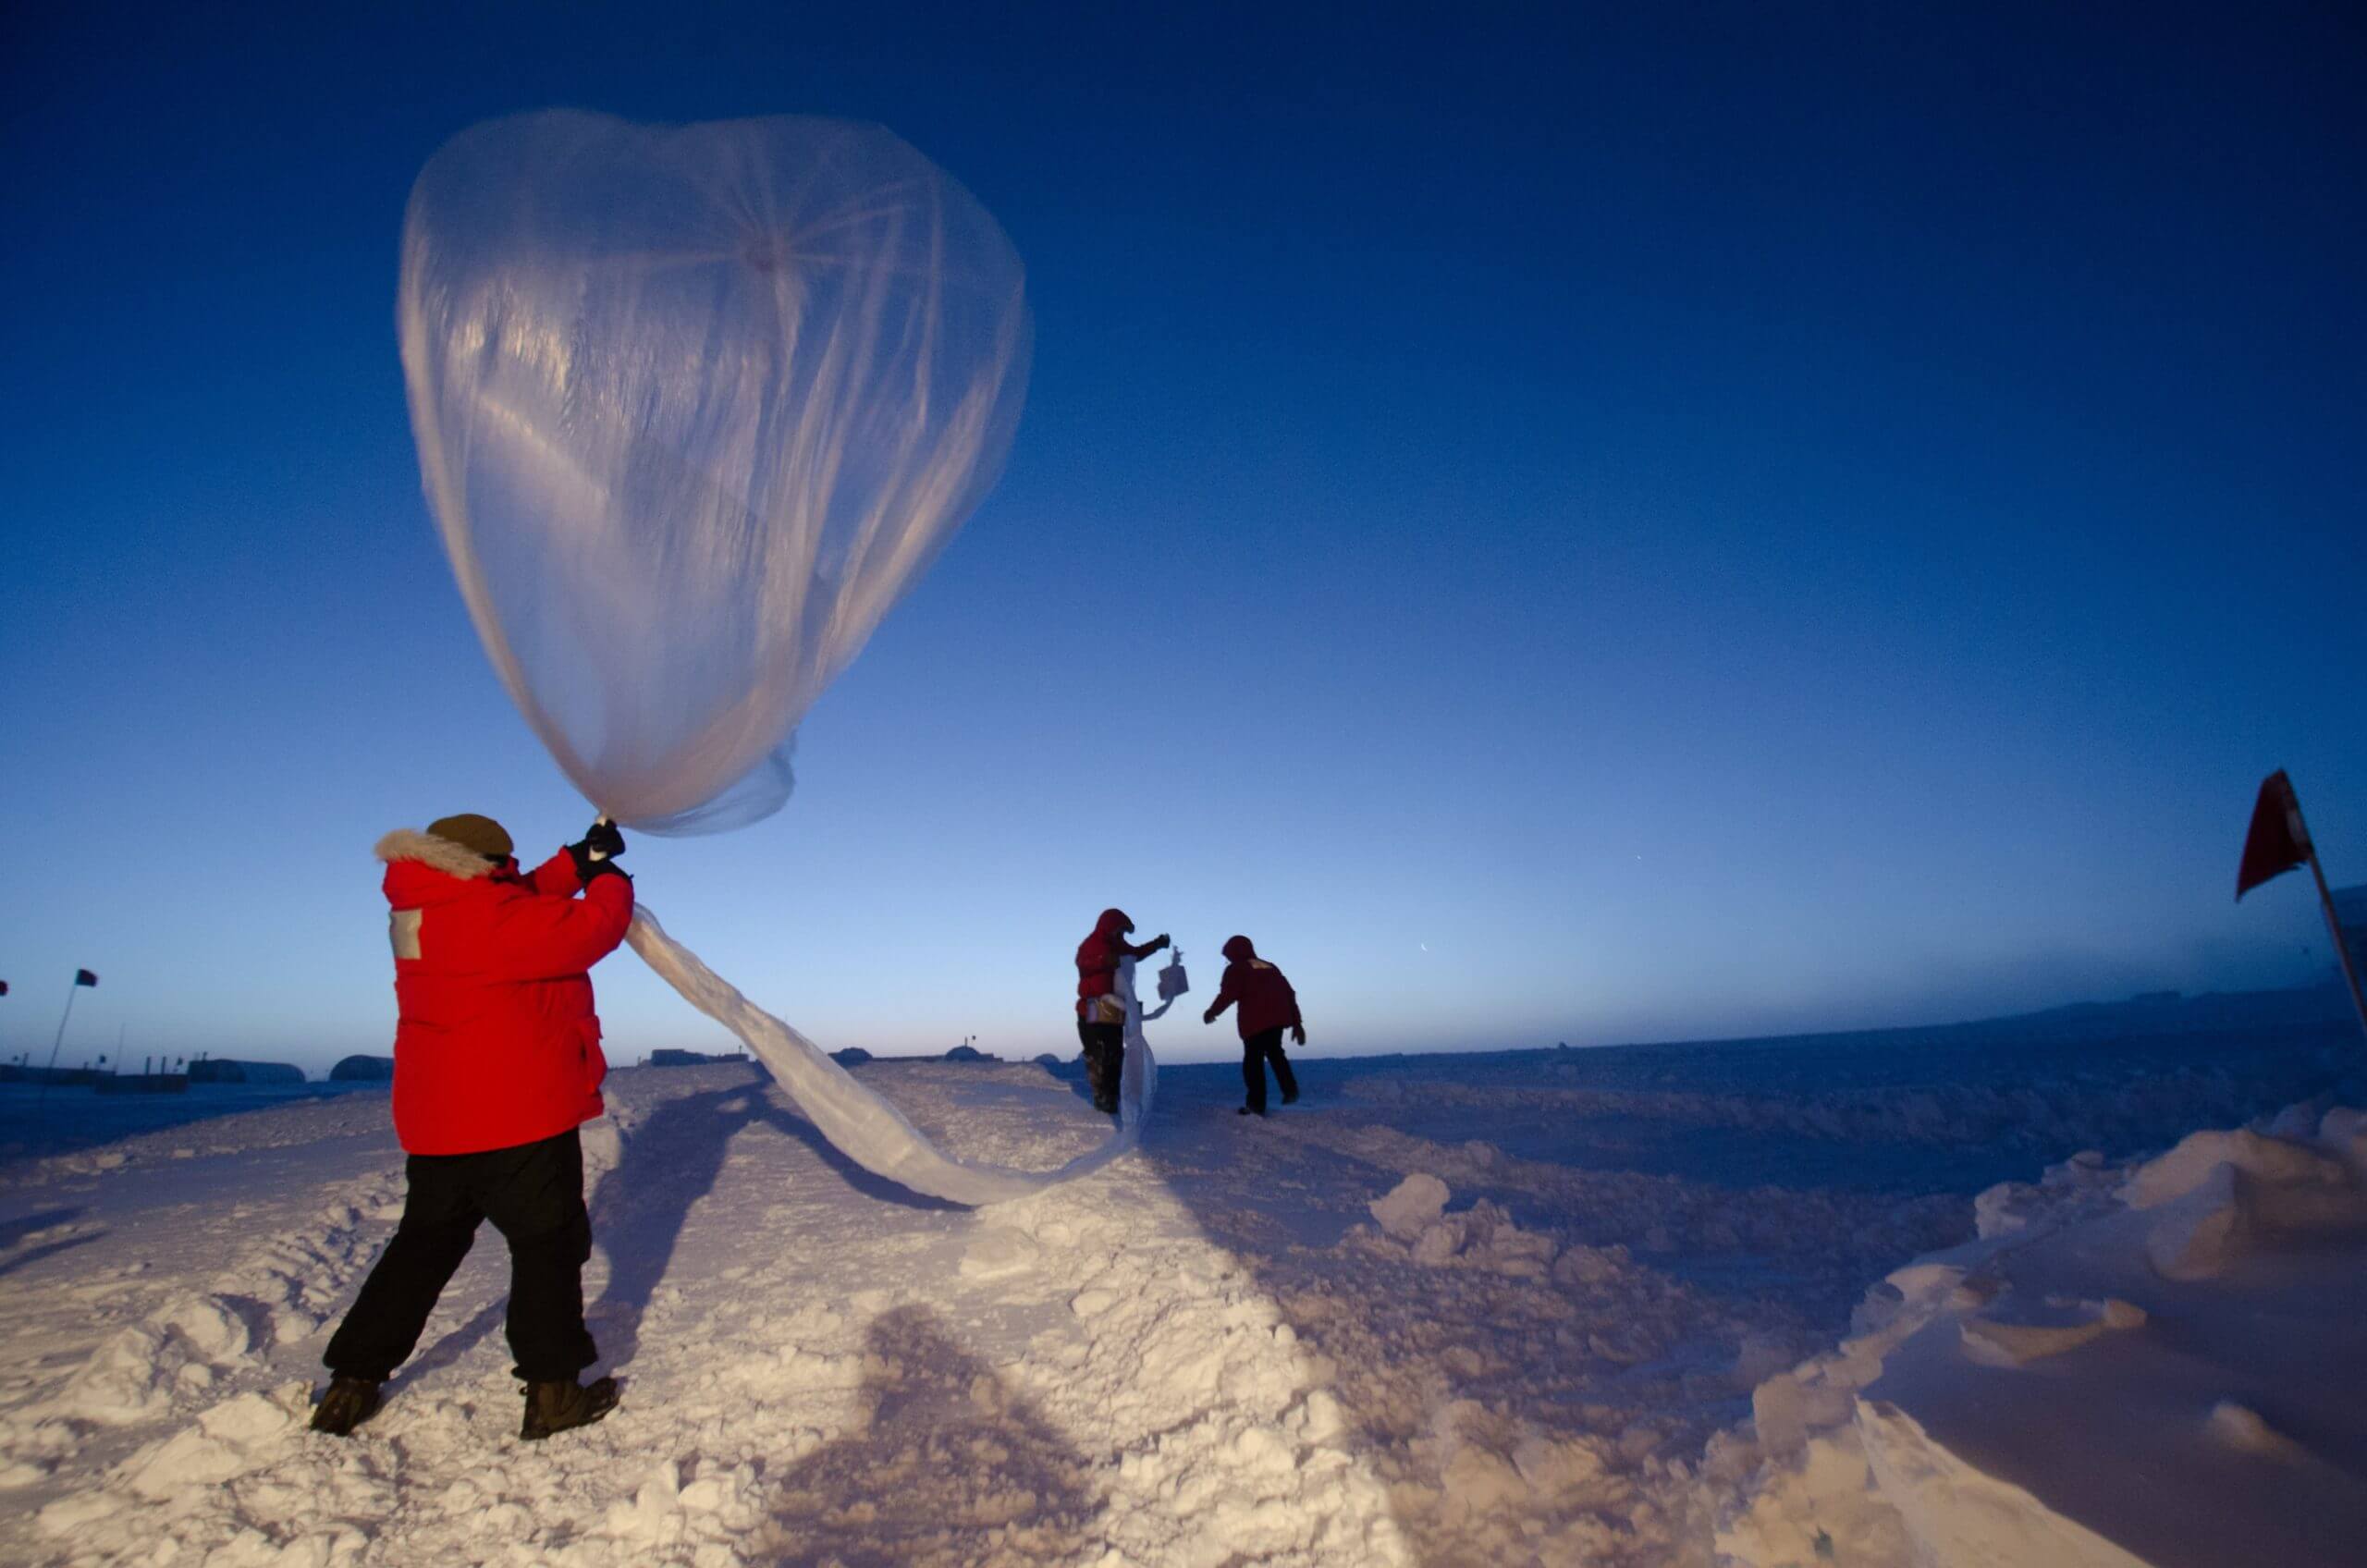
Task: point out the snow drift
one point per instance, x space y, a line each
2158 1365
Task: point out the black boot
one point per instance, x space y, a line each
348 1403
558 1406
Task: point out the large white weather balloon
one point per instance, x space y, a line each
695 406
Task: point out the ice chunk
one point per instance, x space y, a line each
2343 1134
2201 1231
1410 1206
2272 1163
2240 1428
997 1252
226 1442
1437 1244
2032 1335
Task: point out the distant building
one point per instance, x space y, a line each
222 1070
851 1056
969 1053
692 1059
363 1070
17 1072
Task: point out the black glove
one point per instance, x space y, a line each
592 858
605 838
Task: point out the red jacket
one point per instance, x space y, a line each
1267 1000
497 1044
1097 956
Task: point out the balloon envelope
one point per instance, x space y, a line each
695 406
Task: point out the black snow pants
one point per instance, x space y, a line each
1104 1058
1256 1052
533 1195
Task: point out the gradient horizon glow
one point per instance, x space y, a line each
1592 525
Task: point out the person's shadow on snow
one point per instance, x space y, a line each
15 1231
671 1160
948 1446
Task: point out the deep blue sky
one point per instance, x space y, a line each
1589 523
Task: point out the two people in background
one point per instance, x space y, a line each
498 1061
1264 1002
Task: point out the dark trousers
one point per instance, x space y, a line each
1256 1052
1104 1058
533 1195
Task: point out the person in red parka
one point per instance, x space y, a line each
1267 1006
1100 1021
496 1062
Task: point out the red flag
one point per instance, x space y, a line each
84 977
2277 841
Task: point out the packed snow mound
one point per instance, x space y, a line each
1412 1204
2154 1366
275 1290
1413 1219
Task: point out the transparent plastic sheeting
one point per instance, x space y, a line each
860 1124
695 405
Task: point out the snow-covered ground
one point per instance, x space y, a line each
1495 1309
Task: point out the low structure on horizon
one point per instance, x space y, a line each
363 1070
670 1058
18 1072
223 1070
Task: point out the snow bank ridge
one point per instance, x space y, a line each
2170 1302
281 1291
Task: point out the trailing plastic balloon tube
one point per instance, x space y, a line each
695 406
860 1124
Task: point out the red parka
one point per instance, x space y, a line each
1097 956
497 1044
1267 1000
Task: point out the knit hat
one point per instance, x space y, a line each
471 831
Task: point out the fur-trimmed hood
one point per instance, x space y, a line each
497 1044
437 854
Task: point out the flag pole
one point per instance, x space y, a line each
70 989
2333 928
